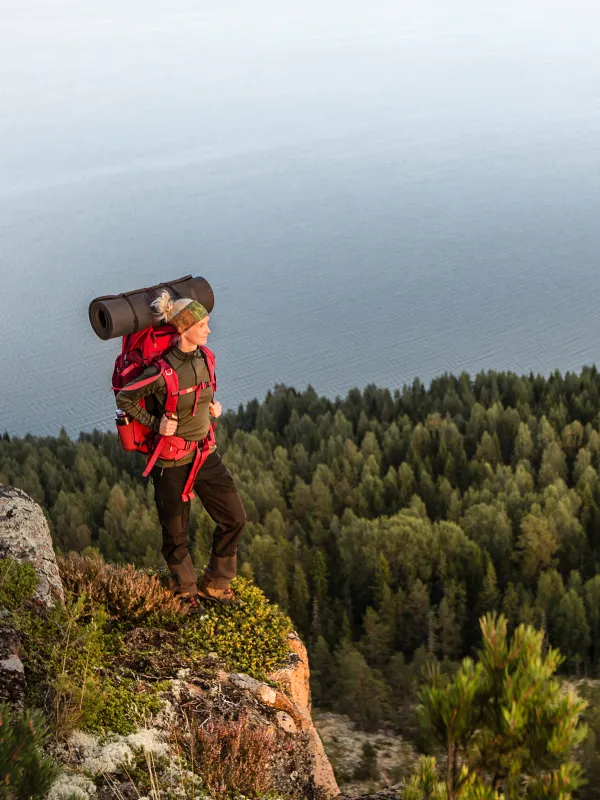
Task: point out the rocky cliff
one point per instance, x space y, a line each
141 700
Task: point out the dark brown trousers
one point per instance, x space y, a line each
216 489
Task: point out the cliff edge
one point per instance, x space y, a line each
140 699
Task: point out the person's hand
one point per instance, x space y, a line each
168 425
215 409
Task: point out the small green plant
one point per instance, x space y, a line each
17 583
24 771
425 783
121 706
249 639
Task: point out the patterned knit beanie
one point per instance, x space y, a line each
183 313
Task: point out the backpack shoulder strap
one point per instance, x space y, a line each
209 357
171 384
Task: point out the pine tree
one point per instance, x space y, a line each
489 597
299 598
505 722
24 771
415 617
572 632
361 692
367 769
322 673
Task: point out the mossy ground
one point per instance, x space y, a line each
90 668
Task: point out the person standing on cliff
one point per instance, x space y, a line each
213 482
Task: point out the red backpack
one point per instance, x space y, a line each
138 351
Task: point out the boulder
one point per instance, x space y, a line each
25 536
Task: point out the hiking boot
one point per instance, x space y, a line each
224 597
193 607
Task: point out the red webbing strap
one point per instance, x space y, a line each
201 456
210 363
172 385
154 455
197 389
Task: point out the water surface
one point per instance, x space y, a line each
375 191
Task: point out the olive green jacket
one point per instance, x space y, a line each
191 370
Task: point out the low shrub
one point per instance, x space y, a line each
128 594
17 583
250 638
232 756
367 769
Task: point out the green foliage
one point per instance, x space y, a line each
24 771
17 582
392 520
121 707
250 639
505 723
367 769
589 755
425 784
69 653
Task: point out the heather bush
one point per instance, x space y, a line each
24 771
232 756
127 594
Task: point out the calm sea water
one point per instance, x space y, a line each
375 191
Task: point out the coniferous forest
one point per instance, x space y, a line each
385 523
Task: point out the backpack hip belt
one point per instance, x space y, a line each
174 447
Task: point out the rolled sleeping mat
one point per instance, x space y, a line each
119 314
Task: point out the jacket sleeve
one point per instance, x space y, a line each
149 382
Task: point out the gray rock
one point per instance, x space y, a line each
12 672
285 722
25 536
266 694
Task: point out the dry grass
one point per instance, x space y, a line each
127 593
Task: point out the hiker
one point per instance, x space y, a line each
186 461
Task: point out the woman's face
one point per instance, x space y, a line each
198 333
